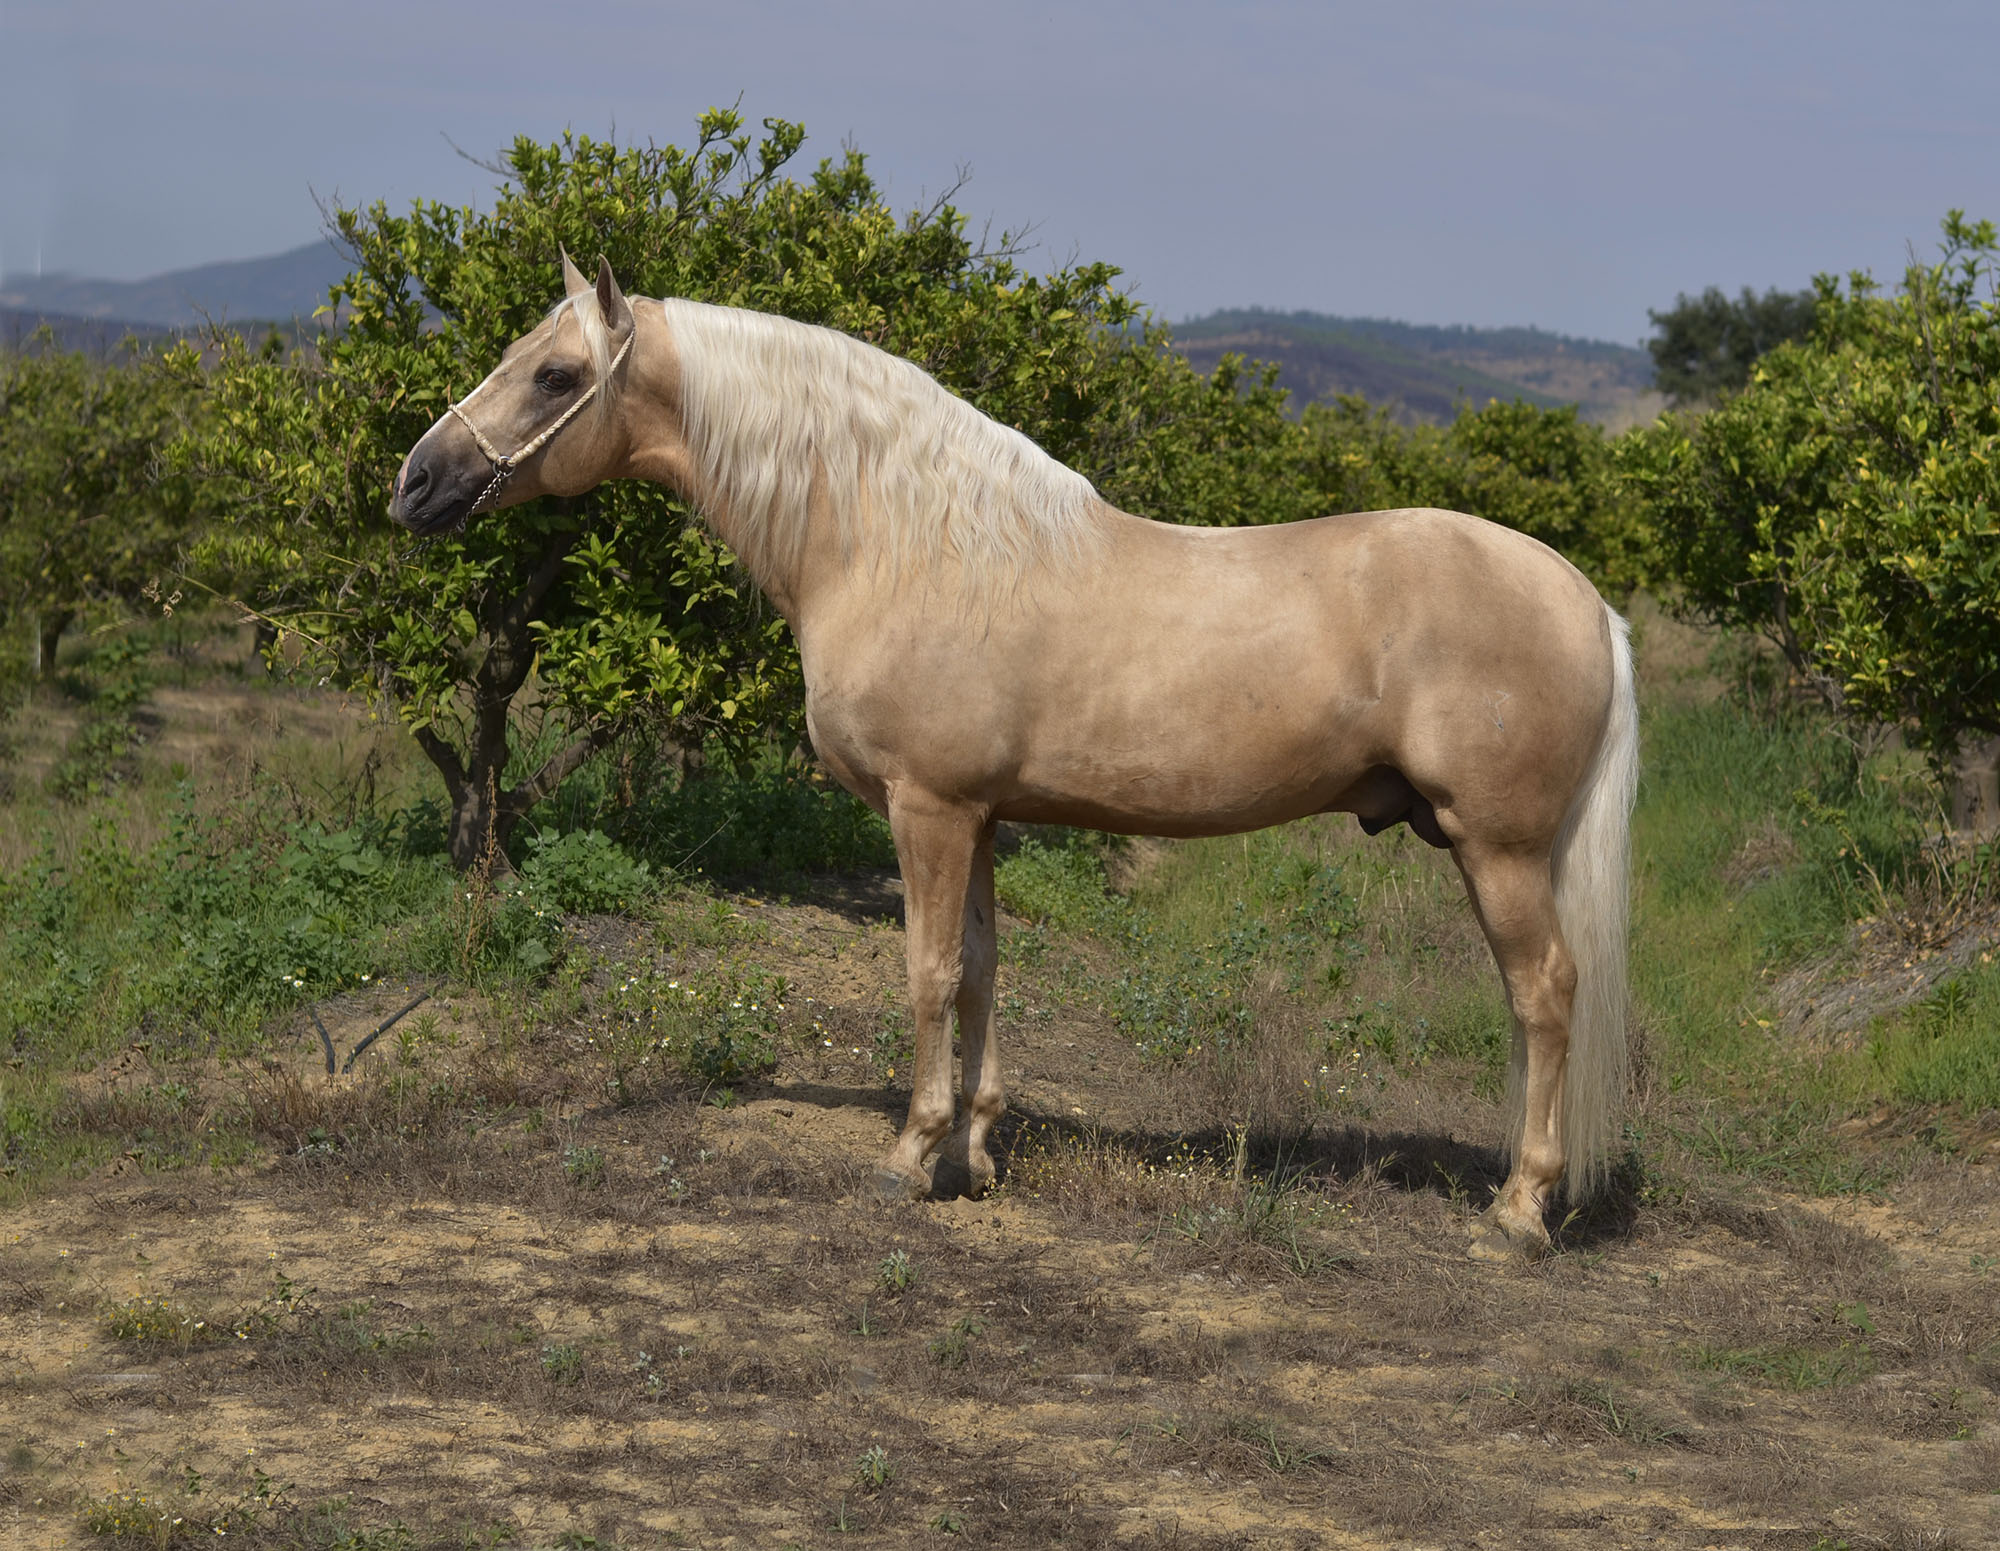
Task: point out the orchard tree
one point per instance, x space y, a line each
519 648
1704 347
1546 472
1847 502
89 513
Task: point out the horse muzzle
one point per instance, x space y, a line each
429 499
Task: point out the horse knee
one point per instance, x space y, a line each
935 981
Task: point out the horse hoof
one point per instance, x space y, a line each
889 1188
954 1178
1494 1243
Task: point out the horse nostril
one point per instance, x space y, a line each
416 480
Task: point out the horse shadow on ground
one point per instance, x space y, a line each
1323 1157
1412 1162
865 897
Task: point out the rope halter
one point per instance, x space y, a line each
505 464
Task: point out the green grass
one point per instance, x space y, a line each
198 916
1199 935
1751 840
1798 1368
775 818
1946 1051
1759 841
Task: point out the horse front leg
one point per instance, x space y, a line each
965 1168
935 842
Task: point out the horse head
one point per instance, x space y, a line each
523 432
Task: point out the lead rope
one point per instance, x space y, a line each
504 464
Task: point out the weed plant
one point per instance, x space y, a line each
714 1030
99 754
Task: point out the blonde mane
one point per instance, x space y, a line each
915 476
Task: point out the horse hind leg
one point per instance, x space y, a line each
1514 898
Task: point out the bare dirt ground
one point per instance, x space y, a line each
468 1294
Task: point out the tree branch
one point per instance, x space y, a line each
559 767
445 757
514 617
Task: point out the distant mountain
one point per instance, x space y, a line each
1423 373
1419 373
281 287
101 339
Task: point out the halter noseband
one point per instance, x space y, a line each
504 464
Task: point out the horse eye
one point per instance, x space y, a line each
553 379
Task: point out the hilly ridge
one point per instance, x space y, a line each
1423 373
277 288
1420 373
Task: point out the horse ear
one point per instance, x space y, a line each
573 281
611 304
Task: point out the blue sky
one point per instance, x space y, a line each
1566 165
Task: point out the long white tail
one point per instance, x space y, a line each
1593 881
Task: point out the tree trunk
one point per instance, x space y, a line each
482 820
48 633
1975 790
484 812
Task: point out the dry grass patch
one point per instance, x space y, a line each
1572 1409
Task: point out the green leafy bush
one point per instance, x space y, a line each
585 873
773 816
256 930
1846 503
1058 884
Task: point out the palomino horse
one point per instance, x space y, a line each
984 639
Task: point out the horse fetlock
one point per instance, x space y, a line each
1537 1172
926 1128
964 1167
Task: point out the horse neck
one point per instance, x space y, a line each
661 452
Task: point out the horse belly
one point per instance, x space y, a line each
1252 757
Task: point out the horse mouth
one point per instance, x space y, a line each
447 519
434 511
